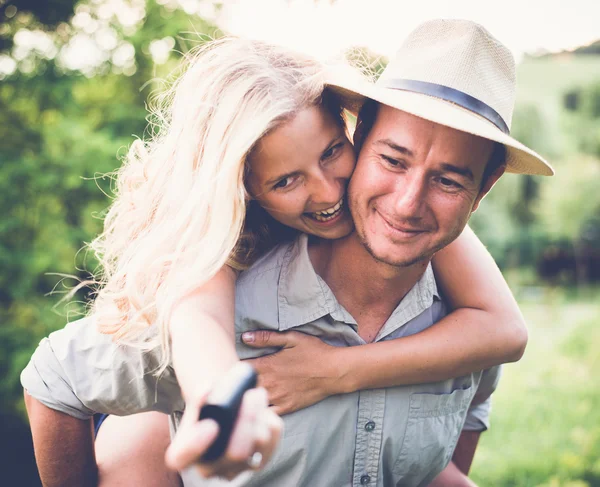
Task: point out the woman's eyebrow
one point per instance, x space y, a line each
333 142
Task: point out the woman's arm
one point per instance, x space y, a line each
203 349
486 329
202 335
66 382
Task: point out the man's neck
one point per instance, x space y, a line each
369 289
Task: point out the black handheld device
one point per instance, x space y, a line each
223 406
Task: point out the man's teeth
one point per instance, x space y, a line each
329 213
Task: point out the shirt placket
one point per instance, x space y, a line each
369 429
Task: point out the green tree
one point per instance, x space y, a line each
60 129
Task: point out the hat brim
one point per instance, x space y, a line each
519 158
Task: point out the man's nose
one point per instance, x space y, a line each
410 196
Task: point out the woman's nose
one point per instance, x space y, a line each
326 191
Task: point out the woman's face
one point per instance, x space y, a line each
299 173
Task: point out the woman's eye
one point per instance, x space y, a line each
285 182
281 183
329 153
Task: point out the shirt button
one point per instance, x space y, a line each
365 479
370 426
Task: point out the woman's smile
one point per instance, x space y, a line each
328 214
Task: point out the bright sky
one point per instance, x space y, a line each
321 27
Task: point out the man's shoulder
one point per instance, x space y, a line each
266 268
256 293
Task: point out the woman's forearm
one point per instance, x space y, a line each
202 353
463 342
202 338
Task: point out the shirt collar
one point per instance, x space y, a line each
304 297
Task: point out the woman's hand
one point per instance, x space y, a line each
253 441
304 372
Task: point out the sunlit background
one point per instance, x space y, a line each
75 78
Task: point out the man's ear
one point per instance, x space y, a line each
489 184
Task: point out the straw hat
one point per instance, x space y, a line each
452 72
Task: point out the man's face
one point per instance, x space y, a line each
415 185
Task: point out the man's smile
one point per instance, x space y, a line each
400 230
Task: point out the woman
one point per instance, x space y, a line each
253 144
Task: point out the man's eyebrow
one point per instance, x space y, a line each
392 145
462 171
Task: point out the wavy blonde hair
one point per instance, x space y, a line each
180 200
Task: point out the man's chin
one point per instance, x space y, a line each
404 262
397 255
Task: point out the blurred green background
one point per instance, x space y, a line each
63 126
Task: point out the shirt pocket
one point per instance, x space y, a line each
432 430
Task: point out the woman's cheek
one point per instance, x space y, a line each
287 206
346 164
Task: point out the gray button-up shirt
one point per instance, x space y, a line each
401 436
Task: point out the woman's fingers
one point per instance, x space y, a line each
266 338
241 445
268 436
253 441
191 441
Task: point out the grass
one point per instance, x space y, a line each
546 419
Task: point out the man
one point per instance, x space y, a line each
430 151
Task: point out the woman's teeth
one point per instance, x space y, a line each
329 213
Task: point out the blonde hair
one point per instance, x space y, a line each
180 201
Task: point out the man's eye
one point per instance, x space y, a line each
390 161
449 183
329 153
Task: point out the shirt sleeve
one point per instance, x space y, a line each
80 371
478 415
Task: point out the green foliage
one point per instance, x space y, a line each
546 419
567 202
593 48
61 132
555 115
46 14
584 117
